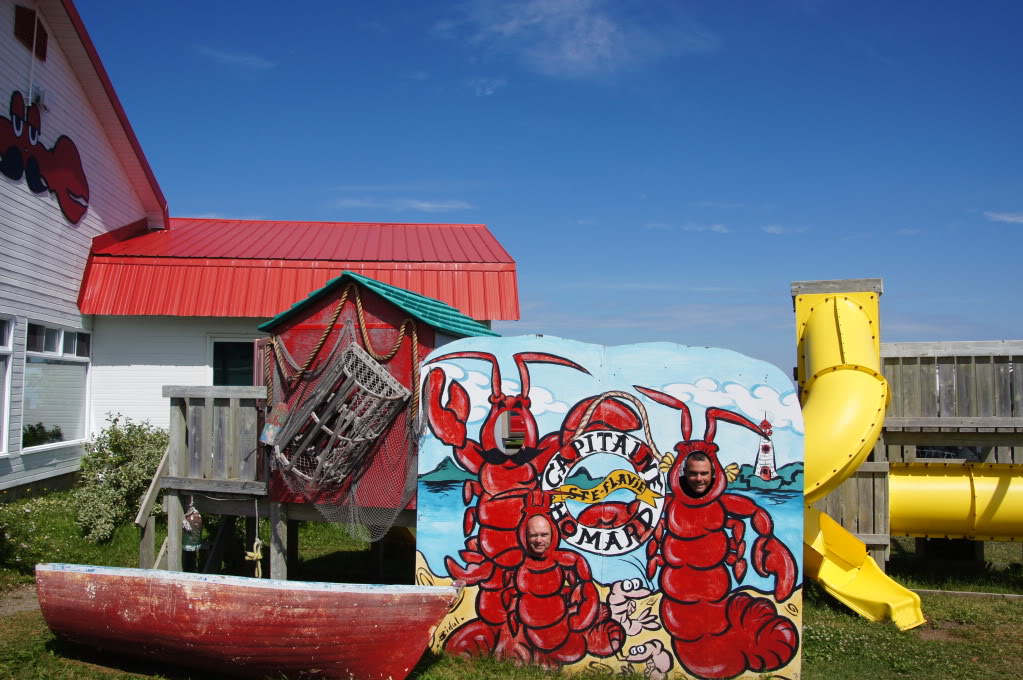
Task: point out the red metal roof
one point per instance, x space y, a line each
245 268
358 241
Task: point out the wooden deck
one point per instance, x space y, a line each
215 460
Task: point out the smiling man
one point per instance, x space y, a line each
698 474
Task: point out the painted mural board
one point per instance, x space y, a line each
645 571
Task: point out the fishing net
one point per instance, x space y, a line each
342 435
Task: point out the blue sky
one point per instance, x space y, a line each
660 171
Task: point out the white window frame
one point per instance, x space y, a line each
61 356
6 350
212 338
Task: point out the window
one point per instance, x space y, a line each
232 363
29 30
56 384
6 327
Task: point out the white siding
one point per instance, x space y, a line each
135 356
42 255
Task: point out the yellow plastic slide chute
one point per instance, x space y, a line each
844 397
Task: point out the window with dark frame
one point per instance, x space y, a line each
27 27
232 363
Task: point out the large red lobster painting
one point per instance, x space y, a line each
584 539
57 170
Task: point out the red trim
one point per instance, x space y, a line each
108 87
120 234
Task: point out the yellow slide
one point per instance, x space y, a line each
844 397
979 501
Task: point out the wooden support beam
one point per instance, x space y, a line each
954 438
278 541
952 349
214 485
202 392
891 424
175 516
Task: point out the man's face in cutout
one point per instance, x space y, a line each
698 475
538 536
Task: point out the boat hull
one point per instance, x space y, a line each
244 627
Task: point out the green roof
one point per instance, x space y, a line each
433 312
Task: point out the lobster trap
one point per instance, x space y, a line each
325 442
344 422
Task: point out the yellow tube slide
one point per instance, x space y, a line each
979 501
844 397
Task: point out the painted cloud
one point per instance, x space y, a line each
759 402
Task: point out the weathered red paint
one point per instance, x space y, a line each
234 626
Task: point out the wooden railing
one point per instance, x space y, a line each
213 448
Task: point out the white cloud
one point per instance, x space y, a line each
403 204
664 226
716 228
579 38
484 87
1013 218
242 59
477 385
764 401
778 230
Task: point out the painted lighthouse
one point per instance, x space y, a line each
765 467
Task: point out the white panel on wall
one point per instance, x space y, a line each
135 356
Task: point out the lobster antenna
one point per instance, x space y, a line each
716 414
495 371
668 400
522 358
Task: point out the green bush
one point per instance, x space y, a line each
116 471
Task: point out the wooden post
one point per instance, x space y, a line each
177 464
175 516
278 541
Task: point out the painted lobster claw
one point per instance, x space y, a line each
771 557
447 422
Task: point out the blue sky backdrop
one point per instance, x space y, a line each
659 170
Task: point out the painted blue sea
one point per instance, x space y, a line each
440 533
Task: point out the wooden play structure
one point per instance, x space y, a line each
944 396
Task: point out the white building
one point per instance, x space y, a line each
104 298
66 146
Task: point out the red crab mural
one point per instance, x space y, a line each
57 170
503 479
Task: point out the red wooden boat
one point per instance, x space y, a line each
247 627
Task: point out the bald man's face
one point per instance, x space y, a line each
538 536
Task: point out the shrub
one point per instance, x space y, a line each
116 471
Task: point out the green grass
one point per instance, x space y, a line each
963 638
43 529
